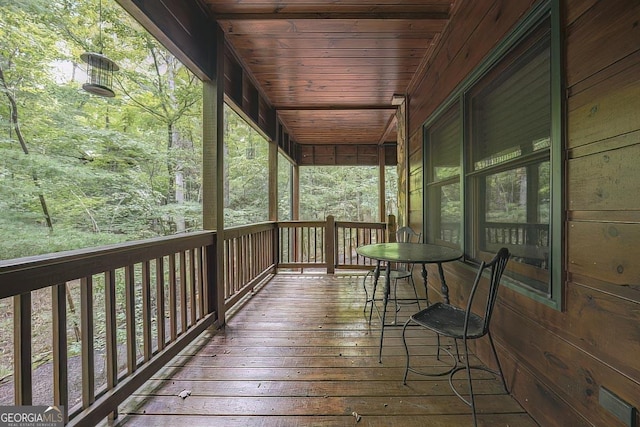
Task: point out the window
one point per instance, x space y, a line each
492 160
509 128
443 180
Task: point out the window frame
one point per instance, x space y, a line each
544 10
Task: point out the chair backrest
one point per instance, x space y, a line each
407 235
496 267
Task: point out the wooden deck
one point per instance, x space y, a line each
301 353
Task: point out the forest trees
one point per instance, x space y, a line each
103 170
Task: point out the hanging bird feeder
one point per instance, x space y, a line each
99 74
100 69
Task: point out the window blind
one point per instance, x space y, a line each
511 116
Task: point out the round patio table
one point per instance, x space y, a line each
412 253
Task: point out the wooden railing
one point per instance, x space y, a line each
249 257
141 303
301 244
350 235
326 244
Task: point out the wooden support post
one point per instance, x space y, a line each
213 170
382 191
273 181
295 193
392 227
329 242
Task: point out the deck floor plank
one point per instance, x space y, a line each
301 352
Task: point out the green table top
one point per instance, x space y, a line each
416 253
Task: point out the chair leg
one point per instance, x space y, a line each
366 294
395 302
373 299
415 292
472 401
406 350
495 356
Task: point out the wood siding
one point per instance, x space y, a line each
557 361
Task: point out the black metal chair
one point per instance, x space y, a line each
401 271
462 324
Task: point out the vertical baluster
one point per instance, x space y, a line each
201 287
60 361
173 309
183 291
111 330
227 267
22 353
345 248
146 311
243 264
160 302
297 241
203 279
351 242
86 333
192 283
130 310
240 264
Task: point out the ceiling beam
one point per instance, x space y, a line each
332 15
333 107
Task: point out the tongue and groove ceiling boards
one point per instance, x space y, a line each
331 68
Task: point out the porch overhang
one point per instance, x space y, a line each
318 79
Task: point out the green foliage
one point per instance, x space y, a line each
347 193
106 169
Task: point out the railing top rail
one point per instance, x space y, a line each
360 224
517 224
27 274
298 223
244 230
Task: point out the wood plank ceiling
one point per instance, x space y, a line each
330 68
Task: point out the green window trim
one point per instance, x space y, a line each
544 10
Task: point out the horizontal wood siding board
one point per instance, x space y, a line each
608 109
566 369
546 407
612 75
573 9
605 251
606 33
605 145
589 306
603 181
344 155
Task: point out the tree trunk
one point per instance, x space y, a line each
16 126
